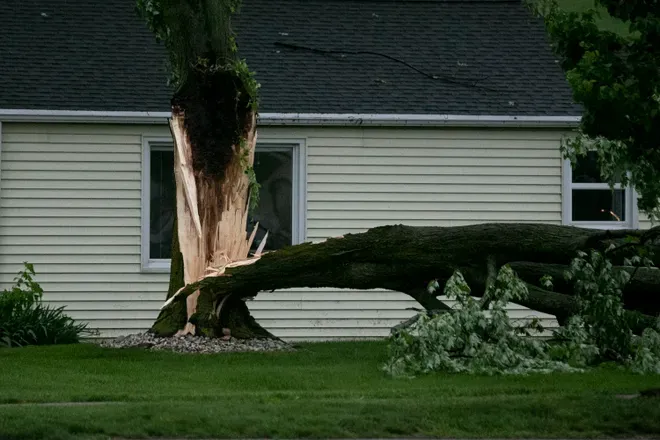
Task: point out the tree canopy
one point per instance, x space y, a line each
615 77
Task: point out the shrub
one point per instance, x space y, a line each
25 320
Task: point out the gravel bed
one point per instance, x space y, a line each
195 344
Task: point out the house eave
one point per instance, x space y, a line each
83 116
416 120
308 119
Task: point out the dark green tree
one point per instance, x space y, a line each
616 79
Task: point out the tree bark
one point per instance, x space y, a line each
172 319
211 210
214 141
642 293
406 259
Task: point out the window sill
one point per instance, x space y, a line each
601 225
156 266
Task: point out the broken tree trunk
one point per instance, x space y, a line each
406 259
211 211
214 148
213 124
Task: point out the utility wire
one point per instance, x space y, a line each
391 58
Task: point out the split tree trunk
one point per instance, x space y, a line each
211 211
215 137
406 259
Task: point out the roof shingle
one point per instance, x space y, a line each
468 57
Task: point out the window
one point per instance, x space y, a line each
590 202
281 199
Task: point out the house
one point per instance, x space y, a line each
373 112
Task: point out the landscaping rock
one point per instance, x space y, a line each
195 344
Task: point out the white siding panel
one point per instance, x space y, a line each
645 222
63 184
24 147
24 230
430 152
414 190
424 177
434 179
52 167
423 206
107 212
348 196
15 202
98 222
434 161
423 169
71 240
56 251
72 258
68 194
71 206
91 157
79 174
71 196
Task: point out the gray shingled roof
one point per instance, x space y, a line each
469 57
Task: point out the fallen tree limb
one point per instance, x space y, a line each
564 306
406 259
642 293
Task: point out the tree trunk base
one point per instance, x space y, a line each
169 320
234 316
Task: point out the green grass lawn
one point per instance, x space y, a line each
324 390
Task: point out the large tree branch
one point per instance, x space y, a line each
400 252
642 293
405 259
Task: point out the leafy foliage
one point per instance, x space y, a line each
646 352
599 291
616 78
470 339
254 185
600 331
196 33
24 320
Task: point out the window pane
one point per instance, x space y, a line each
274 170
163 199
599 205
586 170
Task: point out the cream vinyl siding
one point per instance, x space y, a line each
70 204
644 222
71 194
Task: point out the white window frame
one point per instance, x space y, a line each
298 197
631 213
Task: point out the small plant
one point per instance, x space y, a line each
24 320
253 184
